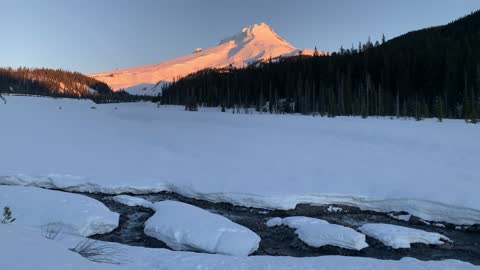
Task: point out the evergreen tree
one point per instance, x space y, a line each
315 52
191 104
7 216
474 117
439 109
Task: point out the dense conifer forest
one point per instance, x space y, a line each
433 72
58 83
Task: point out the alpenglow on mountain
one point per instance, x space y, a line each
252 44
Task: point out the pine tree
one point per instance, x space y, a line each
439 109
191 104
474 117
7 216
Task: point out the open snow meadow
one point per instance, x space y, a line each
428 169
194 174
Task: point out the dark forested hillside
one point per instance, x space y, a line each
58 83
433 72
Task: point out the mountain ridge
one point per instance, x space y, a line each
252 44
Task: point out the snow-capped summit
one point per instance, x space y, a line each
252 44
261 30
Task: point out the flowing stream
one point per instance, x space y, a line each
282 241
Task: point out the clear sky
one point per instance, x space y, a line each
100 35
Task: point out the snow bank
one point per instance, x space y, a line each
132 201
143 258
317 232
24 249
186 227
401 237
78 214
427 169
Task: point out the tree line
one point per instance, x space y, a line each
434 72
59 83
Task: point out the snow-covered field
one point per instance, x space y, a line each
428 169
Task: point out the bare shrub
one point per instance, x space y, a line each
99 252
52 230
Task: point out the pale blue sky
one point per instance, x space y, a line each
99 35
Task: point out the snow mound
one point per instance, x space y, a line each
296 222
186 227
274 222
38 208
25 249
401 237
132 201
317 232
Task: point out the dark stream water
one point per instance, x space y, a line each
282 241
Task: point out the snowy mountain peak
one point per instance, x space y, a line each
256 27
261 30
252 44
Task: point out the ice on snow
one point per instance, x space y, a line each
317 232
401 237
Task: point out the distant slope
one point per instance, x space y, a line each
250 45
146 89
